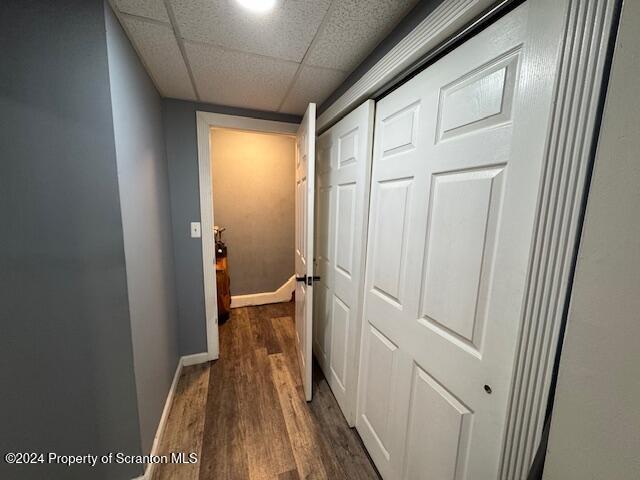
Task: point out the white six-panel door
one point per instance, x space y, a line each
343 174
457 161
304 223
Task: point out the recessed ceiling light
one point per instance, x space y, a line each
258 5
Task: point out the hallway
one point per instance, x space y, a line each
245 414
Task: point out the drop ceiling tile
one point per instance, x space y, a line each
285 32
161 55
353 29
239 79
312 85
144 8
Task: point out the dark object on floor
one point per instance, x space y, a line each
223 283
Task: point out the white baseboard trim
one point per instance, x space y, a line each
283 294
184 361
195 359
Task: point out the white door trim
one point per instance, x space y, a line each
563 186
204 122
447 19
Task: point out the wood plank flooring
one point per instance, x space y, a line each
246 417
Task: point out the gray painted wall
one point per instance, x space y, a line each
182 156
146 221
595 428
66 366
253 177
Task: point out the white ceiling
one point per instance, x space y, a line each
218 52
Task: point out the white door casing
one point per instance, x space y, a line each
304 224
458 159
205 121
343 174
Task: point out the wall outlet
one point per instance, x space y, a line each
195 230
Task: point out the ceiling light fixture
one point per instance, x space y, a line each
260 6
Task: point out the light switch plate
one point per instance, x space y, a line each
195 230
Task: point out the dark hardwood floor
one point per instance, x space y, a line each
245 414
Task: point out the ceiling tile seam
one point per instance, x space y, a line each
383 34
234 50
321 27
119 15
252 54
145 19
290 87
178 37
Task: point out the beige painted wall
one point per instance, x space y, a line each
595 428
253 176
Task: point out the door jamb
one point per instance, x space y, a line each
204 122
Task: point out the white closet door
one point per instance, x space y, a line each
304 223
456 169
343 174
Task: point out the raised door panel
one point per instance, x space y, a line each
479 99
345 225
323 248
348 148
439 429
383 399
475 101
339 343
301 228
323 157
399 131
389 233
379 375
324 252
463 209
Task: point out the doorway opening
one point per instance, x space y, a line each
247 182
253 185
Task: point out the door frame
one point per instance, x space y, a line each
205 121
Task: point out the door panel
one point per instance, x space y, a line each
460 244
452 211
342 176
339 340
382 360
393 199
304 227
439 429
345 210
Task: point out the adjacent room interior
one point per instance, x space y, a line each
253 183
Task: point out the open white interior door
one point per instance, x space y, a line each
305 174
